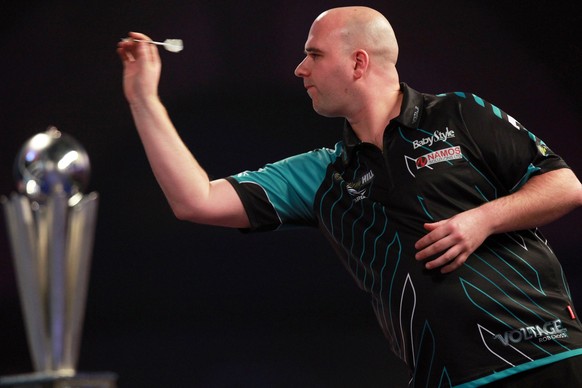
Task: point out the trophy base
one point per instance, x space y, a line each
43 380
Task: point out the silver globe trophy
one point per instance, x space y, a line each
51 226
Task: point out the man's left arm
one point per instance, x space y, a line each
543 199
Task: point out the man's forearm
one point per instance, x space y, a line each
181 178
543 199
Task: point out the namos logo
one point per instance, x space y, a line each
548 331
439 156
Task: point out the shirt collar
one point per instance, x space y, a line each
410 116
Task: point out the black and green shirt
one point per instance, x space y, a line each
506 310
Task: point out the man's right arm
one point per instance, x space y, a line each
186 185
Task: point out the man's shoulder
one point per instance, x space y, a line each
457 101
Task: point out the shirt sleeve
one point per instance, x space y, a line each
282 193
512 152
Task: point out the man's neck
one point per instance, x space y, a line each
373 120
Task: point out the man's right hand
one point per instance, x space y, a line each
141 68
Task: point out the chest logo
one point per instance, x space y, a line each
427 160
358 189
435 138
439 156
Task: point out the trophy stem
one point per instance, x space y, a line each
40 262
57 222
52 245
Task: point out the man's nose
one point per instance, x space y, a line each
300 70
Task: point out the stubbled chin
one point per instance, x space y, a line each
322 112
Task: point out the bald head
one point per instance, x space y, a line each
363 28
349 69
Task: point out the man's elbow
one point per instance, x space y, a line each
182 215
578 195
574 189
183 212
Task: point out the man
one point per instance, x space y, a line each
431 202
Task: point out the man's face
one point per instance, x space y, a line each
326 69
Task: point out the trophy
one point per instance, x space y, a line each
51 226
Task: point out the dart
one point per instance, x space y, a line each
172 45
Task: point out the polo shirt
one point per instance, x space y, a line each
506 310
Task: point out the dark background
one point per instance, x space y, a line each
176 304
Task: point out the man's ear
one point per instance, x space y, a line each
361 62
